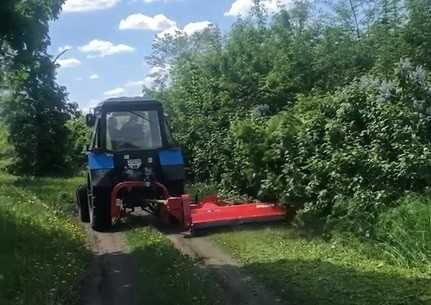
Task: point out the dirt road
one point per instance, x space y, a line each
111 279
239 288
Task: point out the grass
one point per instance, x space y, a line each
318 272
165 276
404 232
43 250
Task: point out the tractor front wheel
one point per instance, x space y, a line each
82 202
100 210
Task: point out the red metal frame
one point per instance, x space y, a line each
129 185
209 212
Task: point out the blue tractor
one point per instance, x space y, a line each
133 161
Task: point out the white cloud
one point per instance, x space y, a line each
72 6
69 63
94 76
102 48
114 92
64 48
189 29
243 7
143 22
195 27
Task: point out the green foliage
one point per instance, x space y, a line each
369 141
200 190
405 231
34 107
305 107
6 150
78 137
43 252
36 114
314 271
417 33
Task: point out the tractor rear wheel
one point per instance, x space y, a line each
82 202
100 210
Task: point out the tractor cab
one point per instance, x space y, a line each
131 156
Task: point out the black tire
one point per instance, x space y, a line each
100 210
82 202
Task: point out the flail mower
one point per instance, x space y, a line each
133 162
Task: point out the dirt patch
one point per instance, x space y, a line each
111 278
239 288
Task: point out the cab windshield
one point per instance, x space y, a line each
133 130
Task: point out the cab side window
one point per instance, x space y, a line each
95 138
169 137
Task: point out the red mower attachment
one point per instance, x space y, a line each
209 212
212 212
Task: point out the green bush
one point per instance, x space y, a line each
344 156
78 139
405 231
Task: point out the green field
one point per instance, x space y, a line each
312 271
43 251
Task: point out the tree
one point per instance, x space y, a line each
418 31
35 109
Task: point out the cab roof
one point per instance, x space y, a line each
125 103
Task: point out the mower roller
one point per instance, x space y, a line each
134 162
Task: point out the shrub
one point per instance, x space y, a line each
78 138
405 231
345 156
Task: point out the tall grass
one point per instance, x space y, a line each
43 251
404 232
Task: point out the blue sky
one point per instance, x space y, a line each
109 39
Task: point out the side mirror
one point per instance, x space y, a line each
90 119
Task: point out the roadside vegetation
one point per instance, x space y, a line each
325 111
43 250
165 276
314 271
42 126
